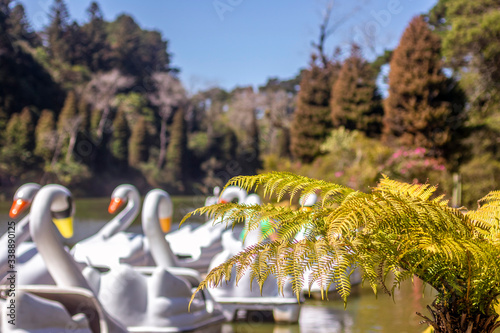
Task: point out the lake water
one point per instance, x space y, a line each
364 313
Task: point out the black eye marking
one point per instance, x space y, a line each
64 213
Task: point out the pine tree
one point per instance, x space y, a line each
57 30
312 120
68 113
95 117
5 40
4 119
120 136
422 109
356 103
44 134
125 34
85 116
67 126
138 150
97 48
16 156
250 159
75 41
19 27
26 118
176 151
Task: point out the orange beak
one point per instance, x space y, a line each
166 224
221 201
114 205
17 207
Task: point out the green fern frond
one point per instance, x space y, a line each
398 229
285 183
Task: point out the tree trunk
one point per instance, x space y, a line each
71 146
72 140
102 123
163 143
57 151
446 319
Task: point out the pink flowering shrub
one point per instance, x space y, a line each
352 159
413 165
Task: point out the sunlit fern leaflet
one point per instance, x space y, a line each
396 229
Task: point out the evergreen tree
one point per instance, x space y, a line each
4 119
356 103
85 116
249 149
135 51
23 81
125 36
16 156
119 140
138 150
68 113
19 27
97 48
27 121
44 134
95 117
67 126
5 40
176 151
312 120
422 110
57 30
472 36
75 40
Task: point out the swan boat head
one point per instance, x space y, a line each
23 198
122 194
233 192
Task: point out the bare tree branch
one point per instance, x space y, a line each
101 91
328 27
168 95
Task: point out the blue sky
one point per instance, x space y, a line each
241 42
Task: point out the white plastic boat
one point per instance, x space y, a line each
246 296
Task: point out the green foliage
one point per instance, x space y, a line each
136 51
120 136
95 117
138 150
45 135
312 121
98 50
274 84
57 31
20 28
473 36
16 154
356 103
68 113
396 229
198 143
85 116
133 105
23 80
480 174
348 157
176 151
68 173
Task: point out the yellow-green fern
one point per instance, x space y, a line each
397 228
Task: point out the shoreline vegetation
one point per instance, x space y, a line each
97 103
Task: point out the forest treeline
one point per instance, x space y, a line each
94 104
